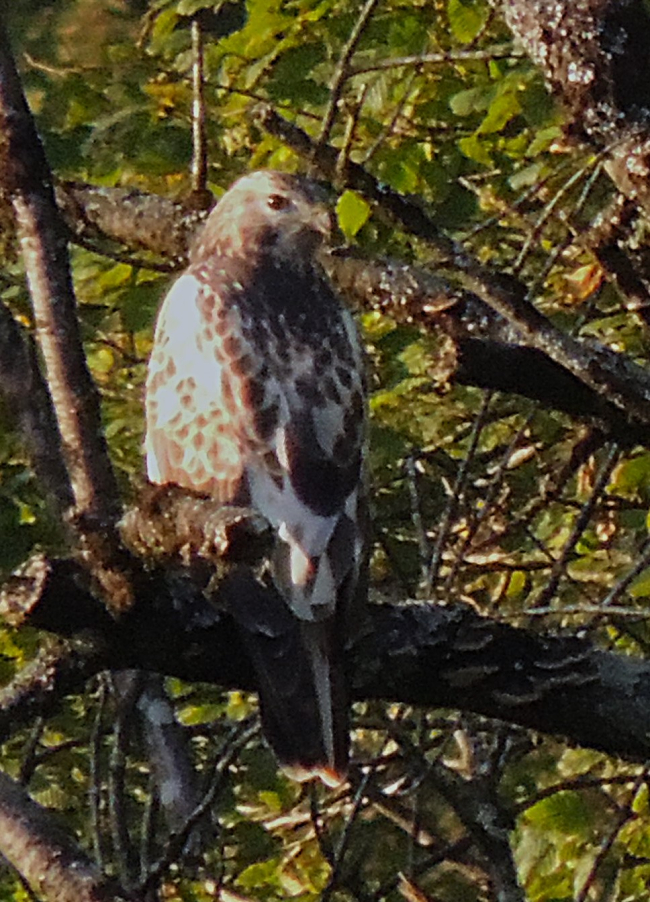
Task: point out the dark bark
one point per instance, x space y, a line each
26 179
595 57
425 654
487 344
49 860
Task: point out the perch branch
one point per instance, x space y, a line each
430 655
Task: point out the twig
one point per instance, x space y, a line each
455 497
579 527
575 784
487 500
95 791
238 738
126 687
625 815
29 756
148 829
411 469
199 144
342 72
344 839
389 126
501 51
622 585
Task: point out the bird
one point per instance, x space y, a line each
256 395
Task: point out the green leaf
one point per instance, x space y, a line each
475 149
292 77
471 100
467 18
565 812
352 212
503 108
260 874
640 588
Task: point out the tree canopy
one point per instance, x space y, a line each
488 165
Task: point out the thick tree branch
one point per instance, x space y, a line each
27 181
422 654
51 862
610 375
594 55
130 217
487 345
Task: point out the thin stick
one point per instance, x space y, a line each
199 143
343 69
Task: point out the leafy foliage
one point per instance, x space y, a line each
475 496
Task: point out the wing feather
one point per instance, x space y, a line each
191 438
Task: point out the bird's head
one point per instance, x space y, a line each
267 212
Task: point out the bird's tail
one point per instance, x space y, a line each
325 659
301 682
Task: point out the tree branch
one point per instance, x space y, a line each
28 398
615 378
488 351
26 179
430 655
594 55
51 862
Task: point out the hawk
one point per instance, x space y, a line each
256 396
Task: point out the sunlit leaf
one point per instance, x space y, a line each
352 212
467 18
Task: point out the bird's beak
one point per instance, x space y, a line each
323 222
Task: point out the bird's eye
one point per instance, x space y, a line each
278 202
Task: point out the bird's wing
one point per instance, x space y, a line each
193 435
309 482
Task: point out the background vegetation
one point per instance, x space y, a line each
525 512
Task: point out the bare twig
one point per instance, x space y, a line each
236 741
476 804
625 814
199 144
643 561
125 691
455 497
342 72
579 527
500 51
344 839
96 791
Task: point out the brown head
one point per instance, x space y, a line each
266 212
